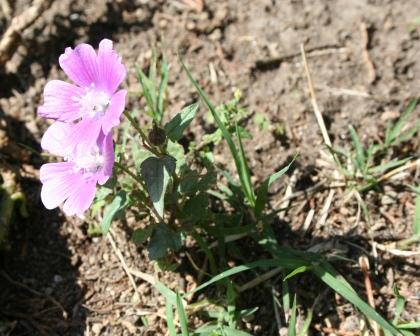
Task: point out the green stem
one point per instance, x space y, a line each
142 134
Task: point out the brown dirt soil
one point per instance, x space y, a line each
364 56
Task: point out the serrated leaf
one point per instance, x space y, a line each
176 126
156 173
114 210
162 240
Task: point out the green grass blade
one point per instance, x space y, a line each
164 75
285 296
182 316
152 80
342 288
219 122
395 131
307 323
399 306
291 329
170 319
262 193
244 174
389 165
286 262
360 154
146 86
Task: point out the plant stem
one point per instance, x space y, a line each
142 134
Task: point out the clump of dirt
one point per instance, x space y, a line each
59 280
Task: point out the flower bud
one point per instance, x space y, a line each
157 136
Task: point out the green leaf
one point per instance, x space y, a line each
176 126
360 154
389 165
156 173
243 171
164 75
331 278
399 306
298 270
306 324
163 238
114 210
291 330
287 262
262 193
182 315
170 319
393 133
141 235
409 325
221 126
233 332
147 91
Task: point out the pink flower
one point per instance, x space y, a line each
74 180
92 103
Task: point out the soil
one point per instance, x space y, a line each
57 279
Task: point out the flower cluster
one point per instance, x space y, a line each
84 114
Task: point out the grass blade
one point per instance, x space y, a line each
244 171
307 323
360 154
323 271
182 316
262 193
170 319
220 124
291 329
394 132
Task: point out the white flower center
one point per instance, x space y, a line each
88 162
92 103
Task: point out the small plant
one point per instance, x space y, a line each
177 194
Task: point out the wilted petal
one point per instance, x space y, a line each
81 197
80 64
58 183
111 72
60 101
113 113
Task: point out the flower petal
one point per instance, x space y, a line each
58 181
83 135
81 197
60 101
111 71
80 64
113 113
54 138
107 149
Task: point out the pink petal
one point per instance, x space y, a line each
58 183
83 134
81 197
107 148
80 64
110 69
60 101
54 138
113 113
